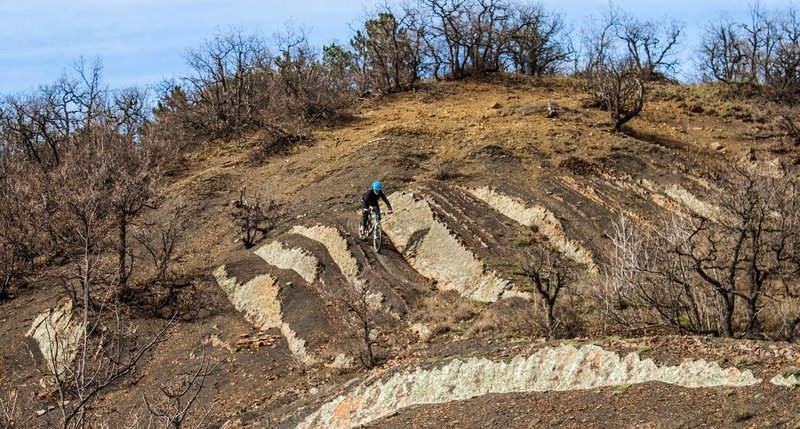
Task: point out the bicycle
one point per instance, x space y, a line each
373 228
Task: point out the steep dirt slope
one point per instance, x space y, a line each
479 173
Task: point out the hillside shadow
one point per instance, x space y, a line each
656 139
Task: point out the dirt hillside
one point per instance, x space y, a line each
479 173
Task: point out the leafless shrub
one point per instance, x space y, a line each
618 76
177 406
162 289
161 241
273 143
9 411
20 234
307 89
791 130
254 217
444 169
443 312
238 83
619 88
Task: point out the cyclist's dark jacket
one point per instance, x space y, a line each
370 199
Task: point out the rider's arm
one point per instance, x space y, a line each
386 200
364 199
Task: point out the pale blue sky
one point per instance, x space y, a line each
143 41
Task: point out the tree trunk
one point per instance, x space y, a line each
728 301
753 325
122 249
551 320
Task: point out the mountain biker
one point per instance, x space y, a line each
370 200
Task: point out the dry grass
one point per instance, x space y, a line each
444 312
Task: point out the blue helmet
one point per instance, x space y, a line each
377 186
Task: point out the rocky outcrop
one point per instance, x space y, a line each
259 300
336 245
680 197
285 258
436 253
550 369
57 334
539 217
790 381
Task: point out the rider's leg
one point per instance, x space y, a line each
364 216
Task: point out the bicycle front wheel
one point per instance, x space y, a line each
377 238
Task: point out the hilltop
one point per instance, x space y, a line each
485 176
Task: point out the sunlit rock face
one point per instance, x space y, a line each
550 369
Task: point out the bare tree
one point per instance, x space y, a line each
722 52
550 275
650 45
364 317
619 88
19 236
134 188
225 89
388 51
537 40
702 274
784 70
760 53
617 80
306 91
463 37
161 241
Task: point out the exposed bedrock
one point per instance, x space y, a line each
336 244
259 301
290 258
550 369
435 252
544 220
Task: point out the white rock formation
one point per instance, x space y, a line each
286 258
336 245
259 300
432 249
58 333
791 381
550 369
680 197
691 201
541 218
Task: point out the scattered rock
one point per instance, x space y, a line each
422 331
